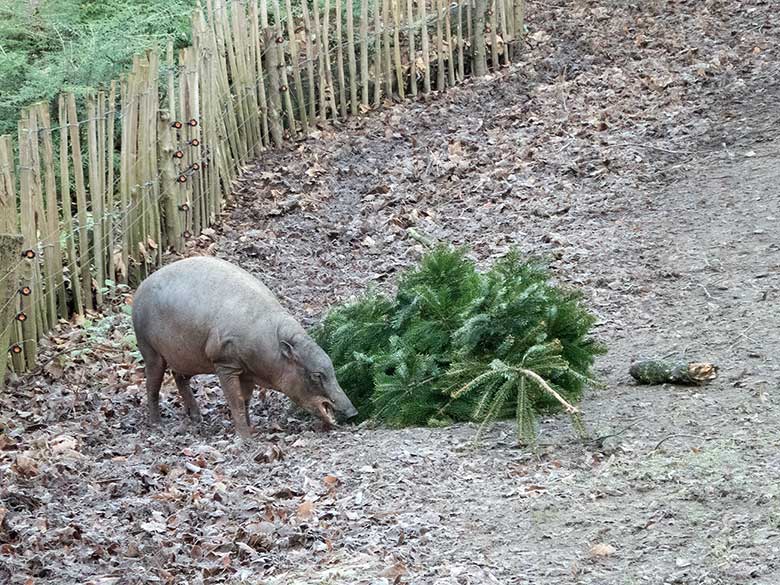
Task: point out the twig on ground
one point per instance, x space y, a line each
600 440
659 148
679 435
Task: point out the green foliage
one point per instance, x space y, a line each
71 45
455 344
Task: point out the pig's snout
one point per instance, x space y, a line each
341 403
346 412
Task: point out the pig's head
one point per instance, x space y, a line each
309 379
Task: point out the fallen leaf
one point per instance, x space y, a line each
601 550
305 510
120 268
315 169
63 443
331 481
393 571
25 466
153 527
271 454
192 468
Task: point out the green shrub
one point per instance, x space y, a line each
77 46
455 344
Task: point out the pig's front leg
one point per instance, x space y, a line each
247 388
230 380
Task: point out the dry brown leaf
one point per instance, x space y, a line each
55 369
455 148
25 466
62 444
602 550
305 510
6 443
314 170
120 269
331 481
393 571
271 454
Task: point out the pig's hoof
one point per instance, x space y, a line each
154 419
247 433
195 416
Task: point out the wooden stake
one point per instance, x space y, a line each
440 77
386 54
480 59
10 252
53 256
425 47
448 42
331 92
296 65
257 50
110 187
126 98
460 42
340 62
275 98
67 215
171 212
81 202
505 34
284 88
312 51
399 71
493 35
39 221
9 224
364 52
321 48
519 25
28 315
352 59
171 65
10 257
96 192
412 49
9 219
377 53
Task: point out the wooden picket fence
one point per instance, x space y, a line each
98 197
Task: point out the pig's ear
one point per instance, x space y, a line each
288 351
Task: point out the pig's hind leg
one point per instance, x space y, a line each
155 370
187 398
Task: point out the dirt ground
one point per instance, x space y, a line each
637 147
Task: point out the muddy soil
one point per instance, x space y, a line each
637 148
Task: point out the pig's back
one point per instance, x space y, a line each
177 308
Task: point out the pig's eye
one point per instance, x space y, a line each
316 377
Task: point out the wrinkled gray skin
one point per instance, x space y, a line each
204 315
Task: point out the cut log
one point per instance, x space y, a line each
673 372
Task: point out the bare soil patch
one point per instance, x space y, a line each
637 147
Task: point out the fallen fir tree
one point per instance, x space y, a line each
455 344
